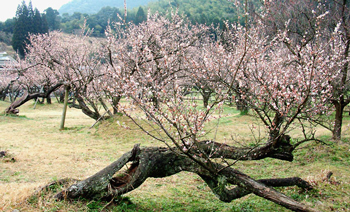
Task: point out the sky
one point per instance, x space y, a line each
8 9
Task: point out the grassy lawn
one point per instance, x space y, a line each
39 153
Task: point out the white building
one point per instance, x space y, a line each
5 60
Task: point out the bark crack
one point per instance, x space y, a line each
161 162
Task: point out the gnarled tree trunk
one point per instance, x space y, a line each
92 113
160 162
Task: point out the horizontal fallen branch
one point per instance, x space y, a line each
158 162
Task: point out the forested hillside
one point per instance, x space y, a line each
72 16
205 11
93 6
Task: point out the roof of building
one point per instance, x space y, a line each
6 59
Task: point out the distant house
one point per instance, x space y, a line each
5 60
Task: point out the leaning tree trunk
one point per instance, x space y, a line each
115 103
94 114
162 162
12 109
105 106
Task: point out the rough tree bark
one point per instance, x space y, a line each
160 162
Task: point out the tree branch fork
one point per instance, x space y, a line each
159 162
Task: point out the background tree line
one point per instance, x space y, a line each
203 12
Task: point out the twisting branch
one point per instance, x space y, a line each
161 162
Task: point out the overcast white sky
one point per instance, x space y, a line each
8 7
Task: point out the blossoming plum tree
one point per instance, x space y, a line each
54 60
6 84
312 24
151 64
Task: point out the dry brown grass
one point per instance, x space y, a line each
44 153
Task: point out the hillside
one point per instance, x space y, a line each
93 6
204 11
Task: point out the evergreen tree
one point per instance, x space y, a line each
30 10
140 16
40 25
37 23
20 31
26 21
45 25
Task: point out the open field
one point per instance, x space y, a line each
39 153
